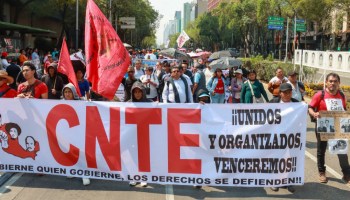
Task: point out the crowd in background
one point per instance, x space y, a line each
169 81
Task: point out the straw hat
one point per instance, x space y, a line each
3 74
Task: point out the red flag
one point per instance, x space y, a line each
65 66
107 59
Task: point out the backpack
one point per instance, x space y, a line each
312 118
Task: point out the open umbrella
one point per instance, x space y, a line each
192 54
224 63
220 54
174 53
219 63
203 53
231 62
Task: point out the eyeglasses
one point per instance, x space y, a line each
176 71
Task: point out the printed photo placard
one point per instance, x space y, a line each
334 125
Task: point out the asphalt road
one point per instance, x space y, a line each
30 186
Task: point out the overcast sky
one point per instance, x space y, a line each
166 8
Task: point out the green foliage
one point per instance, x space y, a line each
266 69
65 10
243 23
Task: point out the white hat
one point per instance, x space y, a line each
238 71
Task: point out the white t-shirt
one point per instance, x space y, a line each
275 79
153 92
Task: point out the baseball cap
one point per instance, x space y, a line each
238 71
285 87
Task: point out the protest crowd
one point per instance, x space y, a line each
155 75
167 80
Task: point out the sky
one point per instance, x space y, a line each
166 8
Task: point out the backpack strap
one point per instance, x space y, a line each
186 89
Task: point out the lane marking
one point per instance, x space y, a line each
169 192
328 168
9 183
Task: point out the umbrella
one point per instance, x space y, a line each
127 45
231 62
219 63
193 55
219 54
174 53
203 53
224 63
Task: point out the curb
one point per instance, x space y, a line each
5 176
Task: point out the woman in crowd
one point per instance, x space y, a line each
150 81
32 87
256 85
69 93
236 85
217 86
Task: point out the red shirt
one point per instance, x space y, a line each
10 93
39 89
219 89
320 104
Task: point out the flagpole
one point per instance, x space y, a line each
77 25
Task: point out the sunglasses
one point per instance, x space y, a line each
130 71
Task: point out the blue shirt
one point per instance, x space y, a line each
83 87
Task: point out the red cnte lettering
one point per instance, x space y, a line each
95 131
142 118
176 140
57 113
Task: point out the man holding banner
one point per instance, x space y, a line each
331 99
285 96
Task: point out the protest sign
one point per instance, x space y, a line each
251 145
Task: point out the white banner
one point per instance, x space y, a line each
182 39
251 145
327 60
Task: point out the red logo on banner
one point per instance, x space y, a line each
9 141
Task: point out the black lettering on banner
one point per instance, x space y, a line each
256 116
212 140
17 168
266 182
255 141
255 165
181 180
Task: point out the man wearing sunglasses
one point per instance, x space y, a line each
177 89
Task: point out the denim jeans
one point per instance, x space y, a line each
217 98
